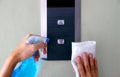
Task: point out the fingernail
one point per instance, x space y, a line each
36 59
44 51
77 59
84 54
90 55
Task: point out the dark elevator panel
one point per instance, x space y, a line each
65 31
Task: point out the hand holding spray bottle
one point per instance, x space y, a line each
30 67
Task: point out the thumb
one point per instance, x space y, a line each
40 45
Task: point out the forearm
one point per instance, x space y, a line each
9 65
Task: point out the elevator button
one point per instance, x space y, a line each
60 41
61 22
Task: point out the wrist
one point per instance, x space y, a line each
9 65
14 58
16 55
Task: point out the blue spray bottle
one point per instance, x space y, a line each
29 67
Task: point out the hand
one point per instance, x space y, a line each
25 50
88 66
21 52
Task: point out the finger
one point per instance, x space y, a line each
36 58
80 66
28 35
96 64
86 62
44 51
35 47
91 62
40 45
36 35
43 45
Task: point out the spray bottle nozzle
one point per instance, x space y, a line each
36 40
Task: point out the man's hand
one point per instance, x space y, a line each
87 66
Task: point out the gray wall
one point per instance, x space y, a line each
100 22
17 18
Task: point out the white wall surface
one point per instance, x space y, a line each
100 22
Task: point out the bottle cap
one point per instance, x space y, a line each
47 40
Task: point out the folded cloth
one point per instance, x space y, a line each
78 48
